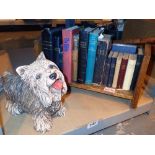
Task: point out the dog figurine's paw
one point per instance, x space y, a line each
61 112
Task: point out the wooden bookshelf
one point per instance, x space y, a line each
130 95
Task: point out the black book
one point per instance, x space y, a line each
107 69
112 69
101 55
83 51
140 56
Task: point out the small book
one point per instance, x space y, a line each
93 40
117 68
67 37
75 56
122 71
82 53
107 69
112 69
124 48
129 71
140 56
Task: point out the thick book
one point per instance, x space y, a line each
47 39
140 56
122 71
67 35
93 40
101 55
58 56
129 71
124 48
117 68
83 52
107 69
75 56
112 69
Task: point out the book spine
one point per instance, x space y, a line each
100 62
136 71
67 54
93 38
122 73
116 74
82 57
106 71
111 72
75 57
129 74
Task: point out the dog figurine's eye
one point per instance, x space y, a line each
52 66
38 76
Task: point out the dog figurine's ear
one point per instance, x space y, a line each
41 56
21 70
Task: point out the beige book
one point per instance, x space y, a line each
116 73
129 71
75 57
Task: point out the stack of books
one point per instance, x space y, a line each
87 56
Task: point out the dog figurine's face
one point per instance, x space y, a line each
45 79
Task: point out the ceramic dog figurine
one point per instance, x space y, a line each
36 89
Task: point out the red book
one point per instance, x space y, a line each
67 36
122 71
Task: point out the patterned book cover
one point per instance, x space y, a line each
117 68
101 55
107 69
140 56
122 71
112 69
83 52
67 35
129 71
93 40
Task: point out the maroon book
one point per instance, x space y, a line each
122 71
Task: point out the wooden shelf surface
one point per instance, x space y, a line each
100 89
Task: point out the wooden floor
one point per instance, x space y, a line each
87 112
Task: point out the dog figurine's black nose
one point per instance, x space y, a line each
53 76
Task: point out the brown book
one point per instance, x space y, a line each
122 71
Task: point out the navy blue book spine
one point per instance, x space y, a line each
111 72
136 71
106 71
82 57
100 62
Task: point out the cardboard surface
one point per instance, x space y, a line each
84 108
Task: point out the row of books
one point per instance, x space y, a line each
86 55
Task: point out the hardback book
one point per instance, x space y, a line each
75 56
117 68
107 69
67 35
140 55
47 39
58 56
122 71
124 48
129 71
92 48
112 69
82 54
101 55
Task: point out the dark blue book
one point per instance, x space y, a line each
124 48
101 55
107 69
58 56
82 55
92 48
47 39
112 69
140 56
